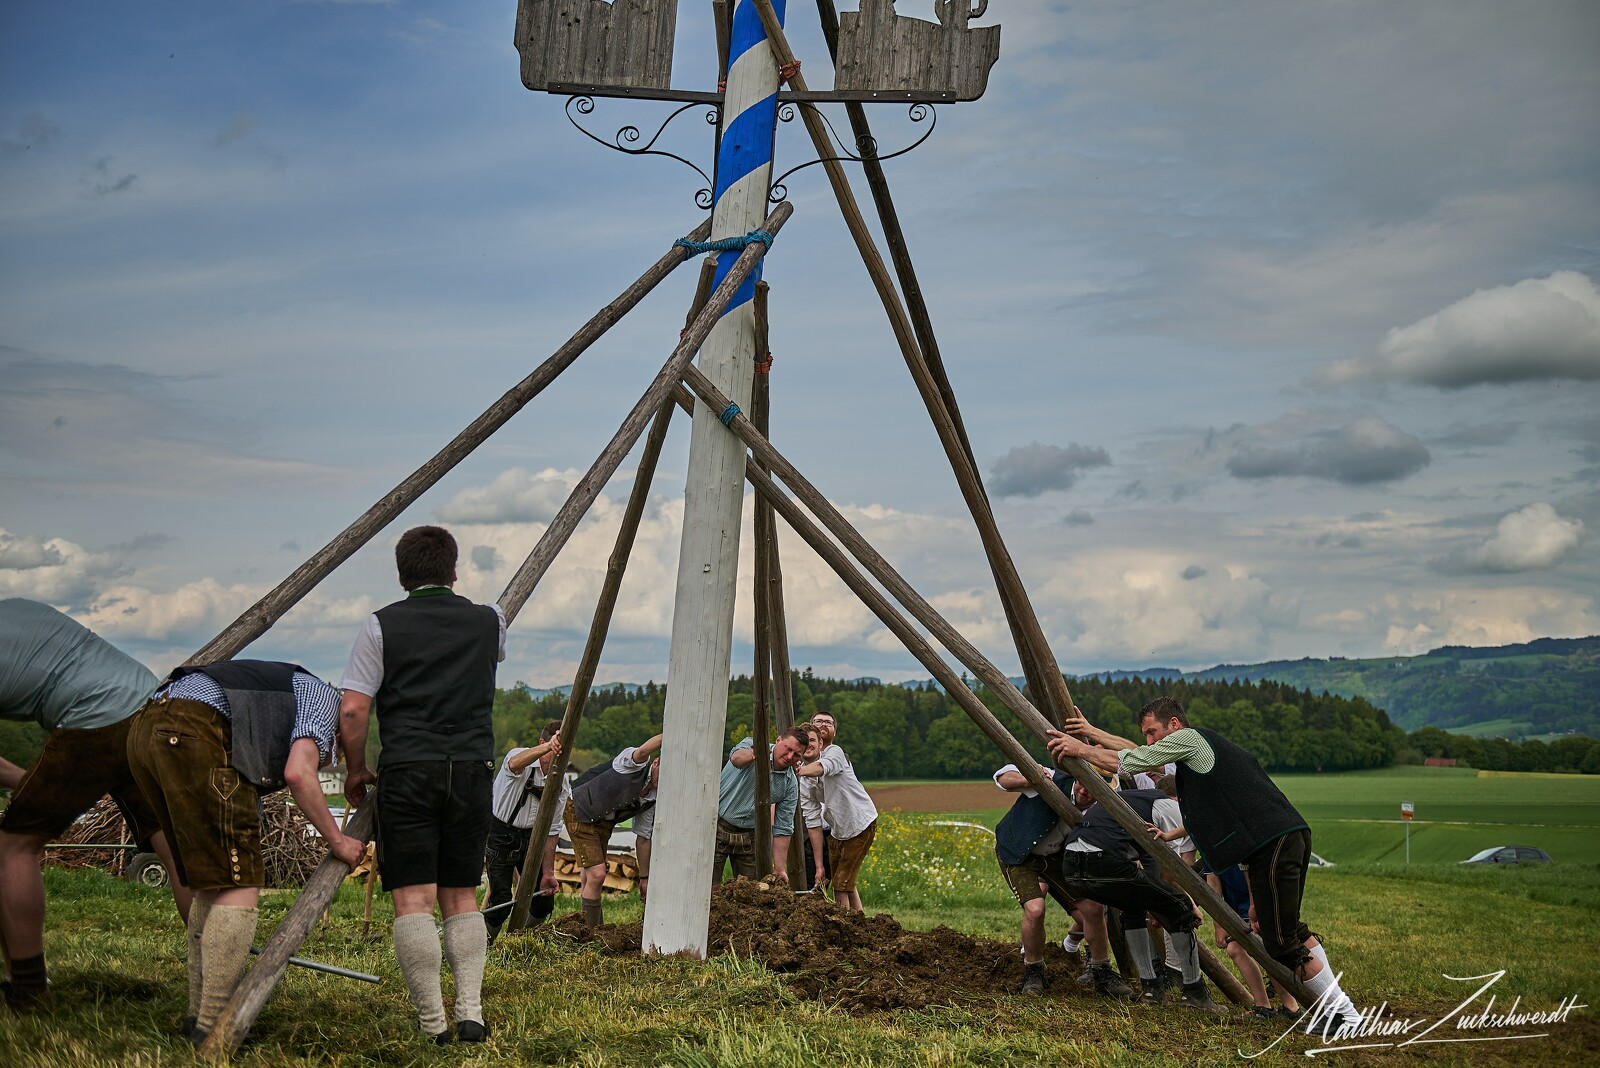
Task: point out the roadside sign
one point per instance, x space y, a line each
1407 810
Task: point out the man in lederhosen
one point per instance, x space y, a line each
518 790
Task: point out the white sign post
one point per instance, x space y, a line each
1408 811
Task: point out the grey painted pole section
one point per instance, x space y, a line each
677 915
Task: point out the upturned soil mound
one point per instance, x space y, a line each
863 963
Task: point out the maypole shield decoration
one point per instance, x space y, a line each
596 42
882 51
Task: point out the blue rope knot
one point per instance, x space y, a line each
728 413
726 244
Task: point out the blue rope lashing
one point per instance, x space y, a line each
728 413
727 244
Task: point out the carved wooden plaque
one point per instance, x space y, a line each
596 42
880 50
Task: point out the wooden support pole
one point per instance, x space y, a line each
1043 674
265 612
1036 662
252 993
583 679
599 626
589 486
760 730
968 654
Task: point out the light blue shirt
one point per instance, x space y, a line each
61 675
736 793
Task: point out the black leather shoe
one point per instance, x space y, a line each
471 1031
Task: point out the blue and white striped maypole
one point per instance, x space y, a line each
677 914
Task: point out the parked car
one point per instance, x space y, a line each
1510 855
1318 862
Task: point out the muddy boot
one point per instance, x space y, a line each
1197 997
1153 991
1033 978
1107 982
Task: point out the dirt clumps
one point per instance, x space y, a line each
862 963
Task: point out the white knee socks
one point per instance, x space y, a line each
416 947
466 944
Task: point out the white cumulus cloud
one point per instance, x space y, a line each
1529 538
1535 330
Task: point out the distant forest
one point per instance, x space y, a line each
918 732
907 732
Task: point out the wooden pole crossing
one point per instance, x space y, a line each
968 654
1039 664
264 613
257 985
599 627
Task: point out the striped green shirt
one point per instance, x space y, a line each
1184 746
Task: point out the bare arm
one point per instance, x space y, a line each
812 770
649 749
1075 723
355 716
1062 746
521 759
301 773
10 775
742 758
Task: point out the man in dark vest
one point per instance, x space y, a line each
1236 815
204 749
84 692
1099 860
427 663
603 797
1027 843
518 791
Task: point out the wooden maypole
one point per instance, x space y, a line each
677 915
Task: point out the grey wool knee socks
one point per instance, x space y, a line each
198 911
466 944
224 949
416 947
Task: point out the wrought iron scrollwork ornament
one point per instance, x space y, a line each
627 137
866 146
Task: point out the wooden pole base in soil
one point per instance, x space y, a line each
265 612
965 652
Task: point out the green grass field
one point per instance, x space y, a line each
1395 931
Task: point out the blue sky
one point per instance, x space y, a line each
1275 325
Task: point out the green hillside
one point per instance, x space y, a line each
1546 687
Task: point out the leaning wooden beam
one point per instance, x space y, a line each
589 486
761 677
583 678
250 990
968 654
599 626
265 612
1044 676
1036 662
251 995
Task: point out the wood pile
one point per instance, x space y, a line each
289 844
622 872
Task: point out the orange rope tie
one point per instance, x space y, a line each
787 72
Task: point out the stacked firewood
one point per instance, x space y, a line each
622 872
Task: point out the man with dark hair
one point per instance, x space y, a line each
1027 843
84 692
736 803
205 748
427 664
602 797
518 791
1236 815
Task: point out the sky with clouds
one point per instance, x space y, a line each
1276 326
